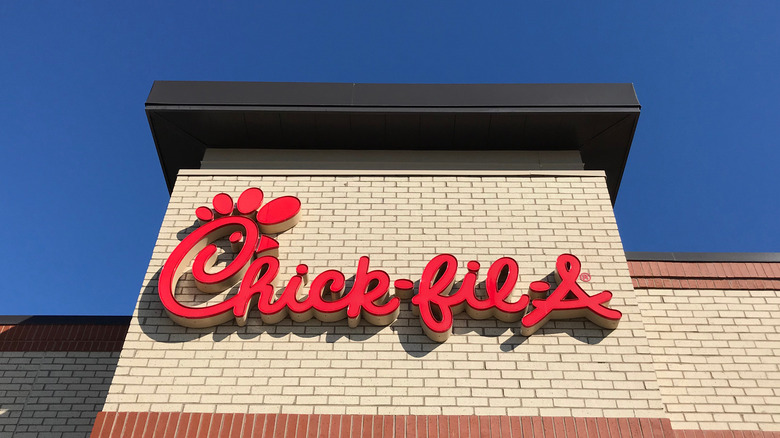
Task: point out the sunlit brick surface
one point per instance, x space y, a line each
569 368
717 356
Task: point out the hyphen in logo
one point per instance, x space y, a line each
255 265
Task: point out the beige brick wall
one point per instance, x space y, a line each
486 368
52 393
717 356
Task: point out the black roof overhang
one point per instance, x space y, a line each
599 120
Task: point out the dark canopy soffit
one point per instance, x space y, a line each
596 119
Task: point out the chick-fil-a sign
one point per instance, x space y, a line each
256 266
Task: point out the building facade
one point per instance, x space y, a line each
383 210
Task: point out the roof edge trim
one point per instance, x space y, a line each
727 257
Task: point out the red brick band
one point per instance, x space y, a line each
705 275
174 425
62 337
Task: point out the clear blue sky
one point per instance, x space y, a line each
83 195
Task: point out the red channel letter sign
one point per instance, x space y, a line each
255 265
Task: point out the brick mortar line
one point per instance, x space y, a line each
697 278
38 363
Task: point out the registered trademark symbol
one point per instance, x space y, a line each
585 277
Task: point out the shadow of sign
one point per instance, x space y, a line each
406 330
55 373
